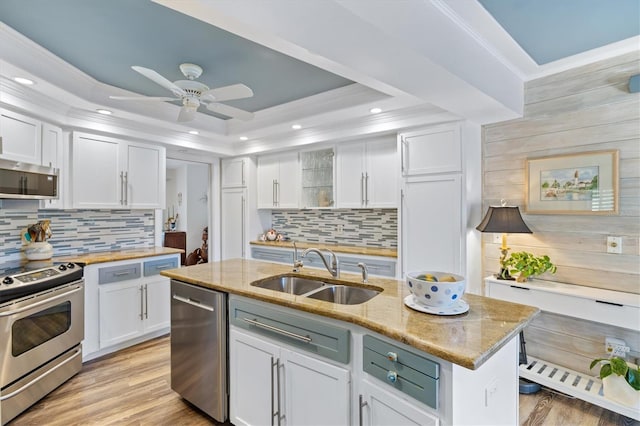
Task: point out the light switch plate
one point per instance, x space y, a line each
614 245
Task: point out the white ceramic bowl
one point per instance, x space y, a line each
428 288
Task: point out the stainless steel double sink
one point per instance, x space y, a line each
317 289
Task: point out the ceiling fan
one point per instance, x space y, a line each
193 94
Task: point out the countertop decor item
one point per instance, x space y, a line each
436 290
528 265
620 379
503 219
35 242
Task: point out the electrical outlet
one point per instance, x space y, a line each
339 228
616 347
614 245
497 239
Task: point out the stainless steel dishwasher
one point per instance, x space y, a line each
199 347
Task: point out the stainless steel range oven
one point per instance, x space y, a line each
41 330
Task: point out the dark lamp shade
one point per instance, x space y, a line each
503 220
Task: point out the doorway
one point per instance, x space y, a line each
188 206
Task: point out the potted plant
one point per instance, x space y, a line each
527 265
620 380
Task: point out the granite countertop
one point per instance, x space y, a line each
468 339
115 255
368 251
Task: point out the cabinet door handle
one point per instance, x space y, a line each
273 411
242 172
126 188
366 189
361 404
280 415
121 188
362 189
403 144
305 339
277 193
141 302
273 192
146 302
242 204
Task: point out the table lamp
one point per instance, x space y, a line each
504 219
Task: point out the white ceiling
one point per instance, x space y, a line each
420 61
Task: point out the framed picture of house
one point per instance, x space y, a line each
584 183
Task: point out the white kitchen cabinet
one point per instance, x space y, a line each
431 224
278 181
111 173
145 176
434 149
270 382
234 172
52 156
121 312
233 227
21 137
317 178
133 308
380 407
126 302
367 175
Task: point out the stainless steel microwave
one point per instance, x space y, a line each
27 181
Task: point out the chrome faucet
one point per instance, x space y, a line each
333 269
365 272
297 263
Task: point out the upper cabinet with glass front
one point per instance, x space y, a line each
317 178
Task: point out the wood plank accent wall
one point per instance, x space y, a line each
588 108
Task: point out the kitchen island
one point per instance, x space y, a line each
476 351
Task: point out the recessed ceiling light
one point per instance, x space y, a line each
375 110
103 111
194 132
244 138
23 80
296 127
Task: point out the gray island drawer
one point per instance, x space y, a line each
407 371
300 331
114 274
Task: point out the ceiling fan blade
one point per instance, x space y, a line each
143 98
187 114
227 93
157 78
230 111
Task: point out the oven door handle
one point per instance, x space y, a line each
37 379
42 302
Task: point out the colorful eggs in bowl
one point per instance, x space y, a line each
435 289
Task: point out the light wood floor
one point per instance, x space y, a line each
132 387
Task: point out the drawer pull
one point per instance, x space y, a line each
609 303
305 339
520 288
392 356
392 376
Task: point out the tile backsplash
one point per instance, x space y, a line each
79 231
356 227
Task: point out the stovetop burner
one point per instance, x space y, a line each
20 278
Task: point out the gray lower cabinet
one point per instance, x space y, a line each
348 263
